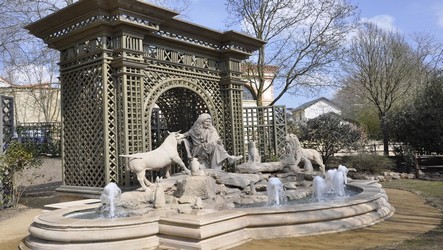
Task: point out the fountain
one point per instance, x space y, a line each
275 192
319 188
110 195
198 224
120 57
332 187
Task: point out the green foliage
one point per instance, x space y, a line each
271 158
357 108
369 119
329 133
368 163
18 158
405 159
419 124
293 128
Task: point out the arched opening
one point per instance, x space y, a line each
176 110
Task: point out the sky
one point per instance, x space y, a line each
404 16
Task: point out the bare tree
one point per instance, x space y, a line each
429 59
380 66
304 40
18 49
27 61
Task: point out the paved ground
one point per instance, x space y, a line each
413 217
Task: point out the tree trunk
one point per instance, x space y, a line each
259 100
385 134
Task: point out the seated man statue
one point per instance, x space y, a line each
207 146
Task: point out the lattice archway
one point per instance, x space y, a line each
118 60
180 101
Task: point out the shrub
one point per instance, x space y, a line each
369 163
419 122
329 133
404 159
18 158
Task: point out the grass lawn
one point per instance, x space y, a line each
432 191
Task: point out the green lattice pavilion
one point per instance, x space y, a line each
121 58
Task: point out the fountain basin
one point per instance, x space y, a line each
57 230
210 229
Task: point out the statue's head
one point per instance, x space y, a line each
179 137
205 120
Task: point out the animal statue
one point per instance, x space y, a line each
313 156
293 147
157 159
253 155
306 153
307 165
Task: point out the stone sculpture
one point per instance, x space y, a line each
293 149
305 154
198 204
159 158
196 167
307 165
206 145
159 194
253 154
313 156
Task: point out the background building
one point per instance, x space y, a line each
37 103
314 108
249 87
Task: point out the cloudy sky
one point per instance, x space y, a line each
405 16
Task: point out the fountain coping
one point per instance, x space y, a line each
369 193
210 229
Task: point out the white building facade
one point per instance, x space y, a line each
313 109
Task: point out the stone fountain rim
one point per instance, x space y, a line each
208 230
59 217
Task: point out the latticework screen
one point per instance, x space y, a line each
121 61
83 125
6 133
7 120
267 127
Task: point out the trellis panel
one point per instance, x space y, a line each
121 60
267 127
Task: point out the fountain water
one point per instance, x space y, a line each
328 178
275 192
334 184
320 188
344 170
111 193
338 184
